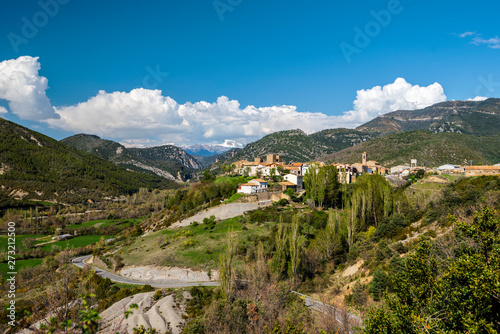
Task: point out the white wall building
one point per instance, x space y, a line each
295 179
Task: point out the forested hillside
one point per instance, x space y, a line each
166 161
470 117
297 146
36 166
430 149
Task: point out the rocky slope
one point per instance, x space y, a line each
167 161
430 149
468 117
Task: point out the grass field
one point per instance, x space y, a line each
197 247
76 242
453 177
20 264
19 241
104 222
234 198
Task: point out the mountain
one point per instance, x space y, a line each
430 149
210 150
166 161
468 117
38 167
296 145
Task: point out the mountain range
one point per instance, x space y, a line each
38 167
167 161
35 166
450 132
468 117
211 150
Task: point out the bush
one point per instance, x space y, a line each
282 202
378 285
400 248
157 295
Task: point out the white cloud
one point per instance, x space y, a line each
493 43
478 98
399 95
467 33
24 89
145 117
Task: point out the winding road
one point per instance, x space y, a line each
340 316
80 262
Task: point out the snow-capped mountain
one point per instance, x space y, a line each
208 150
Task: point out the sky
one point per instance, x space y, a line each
147 73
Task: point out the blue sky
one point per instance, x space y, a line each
284 58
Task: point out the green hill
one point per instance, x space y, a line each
297 146
430 149
468 117
166 161
38 167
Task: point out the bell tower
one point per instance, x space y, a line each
364 158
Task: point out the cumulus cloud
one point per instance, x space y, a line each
145 117
24 88
399 95
478 98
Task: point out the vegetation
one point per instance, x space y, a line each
416 259
479 118
51 170
462 298
296 145
430 149
155 160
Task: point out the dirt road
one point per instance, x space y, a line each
224 211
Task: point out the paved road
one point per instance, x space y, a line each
340 315
80 262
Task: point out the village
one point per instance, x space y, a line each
292 174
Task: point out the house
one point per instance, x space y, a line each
369 166
398 169
261 184
482 170
253 187
359 168
346 174
288 185
447 169
248 188
296 180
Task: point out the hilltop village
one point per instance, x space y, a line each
292 174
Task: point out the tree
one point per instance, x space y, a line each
296 242
208 175
272 173
28 242
226 265
465 298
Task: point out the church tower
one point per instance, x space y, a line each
364 158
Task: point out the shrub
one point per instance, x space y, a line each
157 295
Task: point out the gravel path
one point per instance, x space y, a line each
221 212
